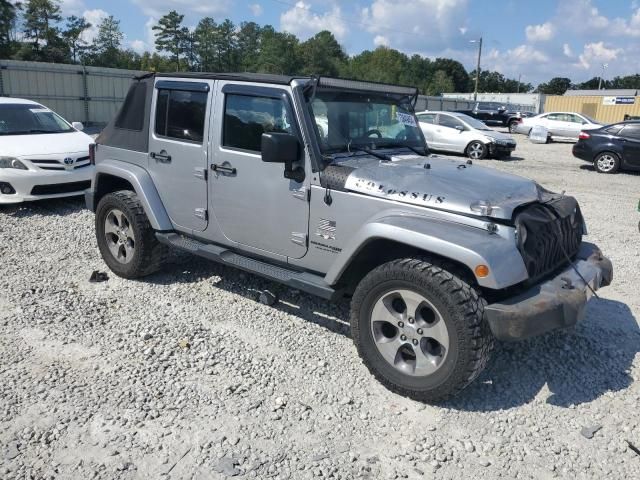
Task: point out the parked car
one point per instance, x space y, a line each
459 133
611 148
494 113
439 257
558 124
41 154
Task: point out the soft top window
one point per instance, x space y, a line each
131 116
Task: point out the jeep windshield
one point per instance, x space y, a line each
28 119
349 121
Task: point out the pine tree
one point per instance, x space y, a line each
170 36
76 26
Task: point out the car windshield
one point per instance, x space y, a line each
25 119
347 120
472 122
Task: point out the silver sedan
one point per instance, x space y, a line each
460 133
559 124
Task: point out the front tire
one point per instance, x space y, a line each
477 150
419 329
125 237
606 162
512 127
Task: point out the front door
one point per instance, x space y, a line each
631 145
254 205
178 150
451 133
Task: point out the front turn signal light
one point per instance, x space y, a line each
482 271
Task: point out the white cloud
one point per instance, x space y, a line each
427 26
566 49
94 17
138 46
303 22
256 9
150 34
72 7
381 41
463 30
595 53
195 8
540 33
524 54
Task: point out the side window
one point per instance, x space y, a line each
448 121
246 118
180 114
631 131
553 116
427 118
613 129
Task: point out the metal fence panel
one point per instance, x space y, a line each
87 94
594 106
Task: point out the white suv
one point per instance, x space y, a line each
41 154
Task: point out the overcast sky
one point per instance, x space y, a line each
537 39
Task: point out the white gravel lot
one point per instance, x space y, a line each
186 375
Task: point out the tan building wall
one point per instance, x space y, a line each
593 106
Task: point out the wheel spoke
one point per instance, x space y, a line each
413 301
389 349
438 331
110 227
425 364
383 310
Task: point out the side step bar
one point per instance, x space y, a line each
307 282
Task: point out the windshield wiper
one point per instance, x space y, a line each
415 150
381 156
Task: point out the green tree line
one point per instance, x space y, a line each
36 30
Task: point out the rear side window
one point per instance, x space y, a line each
613 129
631 131
427 118
180 114
246 118
131 115
448 121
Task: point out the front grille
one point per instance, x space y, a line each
553 233
60 188
52 164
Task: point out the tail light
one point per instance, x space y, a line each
584 136
92 154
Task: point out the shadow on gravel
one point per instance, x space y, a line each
185 268
54 207
575 368
590 168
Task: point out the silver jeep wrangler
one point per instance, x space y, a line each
326 185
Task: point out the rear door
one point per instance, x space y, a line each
451 133
630 136
428 126
178 137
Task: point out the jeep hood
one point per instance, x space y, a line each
441 183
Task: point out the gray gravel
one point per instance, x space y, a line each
189 375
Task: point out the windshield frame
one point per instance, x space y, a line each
35 130
405 102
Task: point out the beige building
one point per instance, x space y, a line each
606 106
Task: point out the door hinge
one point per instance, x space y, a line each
201 213
303 194
299 238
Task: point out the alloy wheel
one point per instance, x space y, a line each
409 332
119 235
606 162
476 150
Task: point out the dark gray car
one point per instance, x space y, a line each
326 185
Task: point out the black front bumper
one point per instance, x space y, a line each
557 303
499 150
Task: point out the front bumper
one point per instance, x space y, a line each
37 185
496 149
557 303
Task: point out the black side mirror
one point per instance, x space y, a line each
282 148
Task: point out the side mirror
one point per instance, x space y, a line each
502 109
77 125
283 148
460 128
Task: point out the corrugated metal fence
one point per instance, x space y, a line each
441 103
598 107
78 93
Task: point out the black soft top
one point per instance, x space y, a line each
129 129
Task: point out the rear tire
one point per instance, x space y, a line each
125 237
477 150
606 162
512 127
447 342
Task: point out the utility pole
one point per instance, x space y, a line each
604 65
475 91
518 86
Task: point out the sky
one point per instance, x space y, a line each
534 39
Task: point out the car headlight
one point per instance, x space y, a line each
11 162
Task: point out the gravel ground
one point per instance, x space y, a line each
187 375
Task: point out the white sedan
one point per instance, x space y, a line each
41 154
559 124
460 133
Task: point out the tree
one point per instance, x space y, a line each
170 36
455 70
441 83
322 54
384 65
226 44
555 86
106 47
8 17
278 52
39 26
76 26
205 36
248 46
630 81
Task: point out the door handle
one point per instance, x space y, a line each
162 157
223 169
